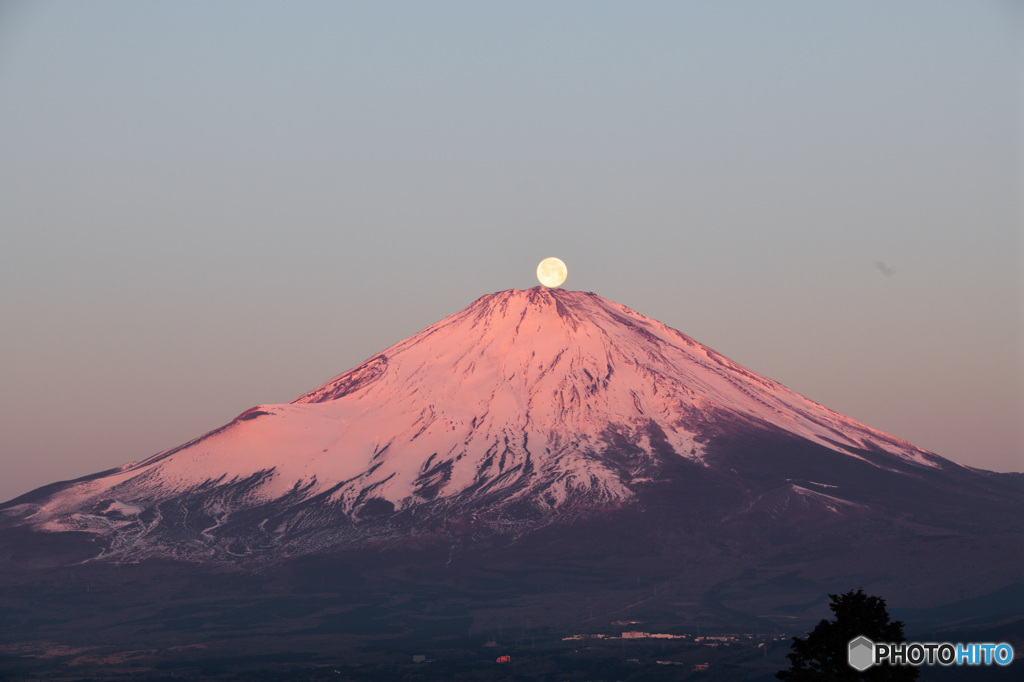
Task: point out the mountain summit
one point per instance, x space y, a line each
525 409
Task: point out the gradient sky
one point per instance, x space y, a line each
208 206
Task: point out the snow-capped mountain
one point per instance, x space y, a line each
543 458
525 409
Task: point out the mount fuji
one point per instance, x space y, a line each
546 458
525 409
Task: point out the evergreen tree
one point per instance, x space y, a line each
823 654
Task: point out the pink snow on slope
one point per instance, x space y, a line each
519 385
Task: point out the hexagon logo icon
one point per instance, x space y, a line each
861 653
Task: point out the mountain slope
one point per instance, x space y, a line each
526 408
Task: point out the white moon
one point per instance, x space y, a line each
551 272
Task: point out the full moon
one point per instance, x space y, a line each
551 272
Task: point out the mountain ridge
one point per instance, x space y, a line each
527 407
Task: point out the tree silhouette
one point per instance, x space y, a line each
823 654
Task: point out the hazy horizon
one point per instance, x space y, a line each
210 207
